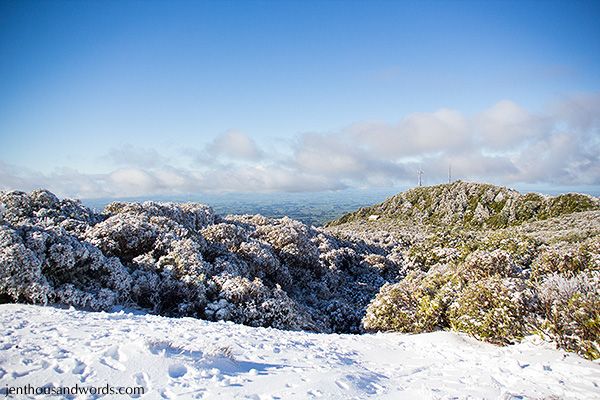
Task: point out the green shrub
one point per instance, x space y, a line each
567 262
483 264
521 248
490 310
571 306
443 247
416 304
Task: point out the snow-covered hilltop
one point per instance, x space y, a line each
472 205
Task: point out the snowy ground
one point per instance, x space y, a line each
187 358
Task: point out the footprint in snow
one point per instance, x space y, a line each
57 368
342 385
79 368
177 370
113 357
141 379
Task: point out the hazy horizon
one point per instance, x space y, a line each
146 99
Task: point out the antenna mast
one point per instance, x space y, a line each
420 174
449 173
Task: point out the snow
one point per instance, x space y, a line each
187 358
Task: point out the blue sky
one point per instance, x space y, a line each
149 97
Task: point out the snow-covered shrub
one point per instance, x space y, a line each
422 256
263 262
228 236
292 243
571 306
2 211
144 288
492 309
567 261
65 259
387 267
182 260
521 248
191 216
50 265
124 235
173 285
483 264
21 277
100 299
416 304
252 303
344 259
185 261
41 206
393 309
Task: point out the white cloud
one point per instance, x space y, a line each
506 125
235 145
418 133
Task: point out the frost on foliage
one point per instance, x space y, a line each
99 299
492 309
292 243
124 235
416 304
568 261
252 303
183 260
571 306
43 208
21 276
36 263
482 264
191 216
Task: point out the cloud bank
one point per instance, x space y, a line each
504 144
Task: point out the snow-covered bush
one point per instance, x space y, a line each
38 263
492 309
228 236
292 243
100 299
191 216
124 235
571 306
41 206
567 261
252 303
416 304
483 264
21 277
443 247
393 309
521 248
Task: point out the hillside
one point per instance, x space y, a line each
474 205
